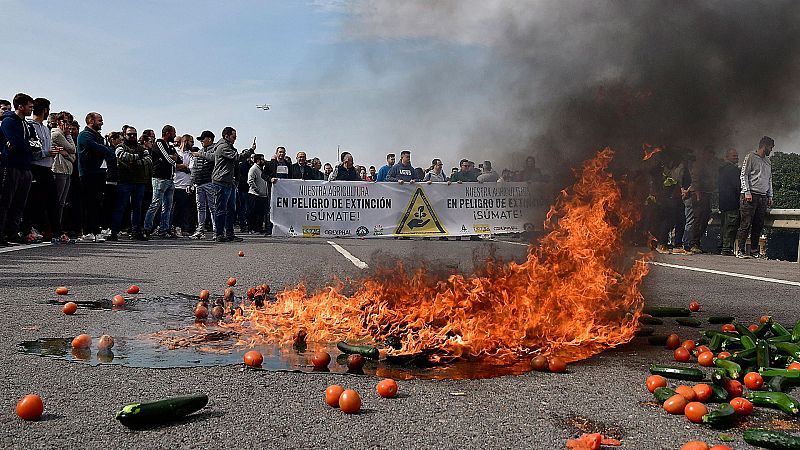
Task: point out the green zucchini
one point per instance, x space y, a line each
790 374
719 320
719 394
789 348
775 440
663 393
648 320
732 369
721 417
724 335
688 321
716 343
155 413
744 354
762 355
657 340
747 342
666 311
744 331
763 328
777 400
775 339
367 351
779 384
677 372
719 376
796 332
644 331
779 330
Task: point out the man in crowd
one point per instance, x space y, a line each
242 203
5 105
756 197
92 152
328 171
435 173
165 162
63 164
390 162
530 172
132 177
204 189
256 195
700 191
488 175
18 143
729 186
225 157
44 185
465 174
403 171
346 171
301 170
183 214
274 169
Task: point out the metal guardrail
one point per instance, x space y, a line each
782 219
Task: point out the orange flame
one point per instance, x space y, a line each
569 298
648 153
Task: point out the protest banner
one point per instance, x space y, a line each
364 209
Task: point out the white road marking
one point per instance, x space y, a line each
729 274
509 242
23 247
356 262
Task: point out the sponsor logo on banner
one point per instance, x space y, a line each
377 230
419 217
463 228
338 232
362 231
310 231
505 228
482 228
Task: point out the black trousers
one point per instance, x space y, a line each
256 208
43 212
16 183
184 210
92 189
751 221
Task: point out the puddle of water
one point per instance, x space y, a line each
174 312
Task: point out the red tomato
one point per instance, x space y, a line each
728 327
355 363
320 360
241 253
764 319
705 359
752 327
687 392
70 308
30 407
350 402
134 289
701 349
204 294
655 381
61 290
688 345
332 395
675 404
754 381
694 307
720 447
201 312
557 365
105 342
682 355
387 388
253 358
703 392
540 363
231 281
734 388
695 411
673 341
694 445
742 406
723 355
793 366
118 300
82 341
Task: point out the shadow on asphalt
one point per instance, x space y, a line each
192 418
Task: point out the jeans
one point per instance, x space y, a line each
730 224
751 221
702 213
16 183
128 194
206 206
225 202
163 190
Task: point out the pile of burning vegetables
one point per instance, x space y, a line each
747 367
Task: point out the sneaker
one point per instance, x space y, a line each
105 232
679 251
233 239
695 250
139 237
86 238
197 235
742 255
220 239
662 249
99 238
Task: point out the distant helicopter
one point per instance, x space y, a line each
264 107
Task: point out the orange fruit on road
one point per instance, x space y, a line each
705 359
320 360
70 308
687 392
231 281
752 327
539 363
557 365
201 312
682 355
764 319
793 366
387 388
754 381
695 411
742 406
332 395
723 355
253 358
694 445
241 253
675 404
204 294
134 289
703 392
655 381
61 290
118 300
728 327
30 407
82 341
694 307
350 402
673 341
688 345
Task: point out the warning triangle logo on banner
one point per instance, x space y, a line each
419 217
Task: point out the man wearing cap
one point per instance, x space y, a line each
756 178
204 189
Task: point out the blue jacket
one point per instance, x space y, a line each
382 172
18 140
92 152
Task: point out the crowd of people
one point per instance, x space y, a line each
63 184
685 182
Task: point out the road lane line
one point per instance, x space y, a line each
356 262
23 247
729 274
509 242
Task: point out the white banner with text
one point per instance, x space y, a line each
366 209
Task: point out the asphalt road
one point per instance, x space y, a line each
250 409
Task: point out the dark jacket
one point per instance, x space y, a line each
163 165
225 157
92 152
243 170
18 140
132 164
464 177
201 173
271 170
305 172
345 174
729 186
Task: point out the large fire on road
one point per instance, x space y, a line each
573 297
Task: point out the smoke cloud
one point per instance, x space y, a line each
561 79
